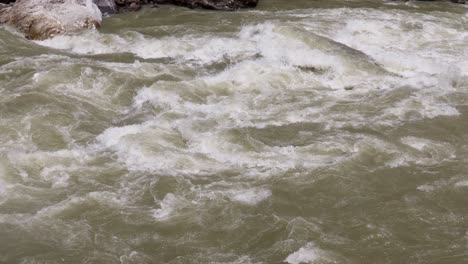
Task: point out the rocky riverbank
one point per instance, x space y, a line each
42 19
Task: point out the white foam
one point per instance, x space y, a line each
154 146
308 254
438 151
107 198
90 42
56 175
204 49
113 136
285 47
426 188
147 146
3 188
417 143
169 205
280 45
418 49
462 184
232 119
250 196
276 89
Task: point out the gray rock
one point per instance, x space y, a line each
42 19
107 7
212 4
452 1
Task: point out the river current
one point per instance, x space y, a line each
297 132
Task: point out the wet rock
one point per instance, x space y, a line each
128 5
42 19
4 9
131 5
212 4
107 7
4 4
452 1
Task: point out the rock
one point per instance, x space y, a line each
42 19
212 4
453 1
128 5
107 7
132 5
6 1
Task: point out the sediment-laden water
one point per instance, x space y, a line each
298 132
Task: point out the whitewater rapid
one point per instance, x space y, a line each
263 142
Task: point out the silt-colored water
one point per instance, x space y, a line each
298 132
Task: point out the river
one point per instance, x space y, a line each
298 132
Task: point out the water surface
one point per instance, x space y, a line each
298 132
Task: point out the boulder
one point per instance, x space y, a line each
453 1
212 4
132 5
107 7
129 5
42 19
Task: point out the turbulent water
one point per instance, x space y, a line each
298 132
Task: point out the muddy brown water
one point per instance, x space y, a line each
298 132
